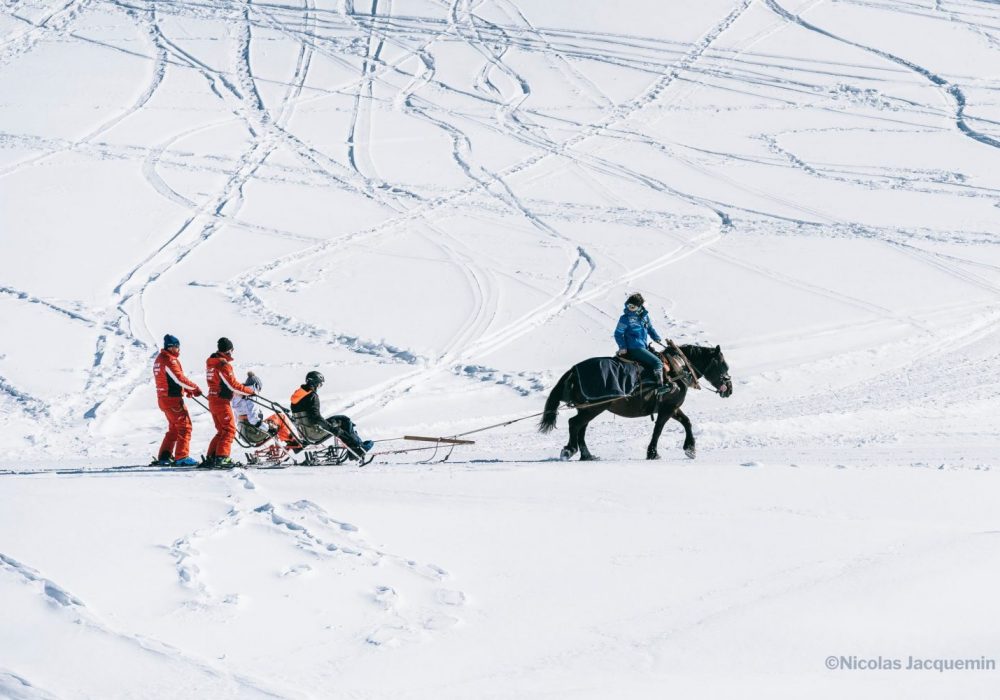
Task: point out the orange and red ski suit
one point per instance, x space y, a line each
284 431
171 388
222 386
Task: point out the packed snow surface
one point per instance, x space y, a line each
442 206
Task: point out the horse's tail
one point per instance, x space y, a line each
548 421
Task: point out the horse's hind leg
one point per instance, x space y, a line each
661 419
573 445
581 437
689 448
585 455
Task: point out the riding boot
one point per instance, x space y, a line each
666 388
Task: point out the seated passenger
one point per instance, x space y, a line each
253 426
249 417
305 412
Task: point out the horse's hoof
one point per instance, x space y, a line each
589 458
565 455
690 452
652 455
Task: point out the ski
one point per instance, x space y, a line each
138 469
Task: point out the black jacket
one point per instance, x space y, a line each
305 404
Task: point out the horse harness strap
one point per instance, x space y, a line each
683 358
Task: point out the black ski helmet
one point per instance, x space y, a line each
636 299
314 379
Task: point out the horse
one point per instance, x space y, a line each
706 362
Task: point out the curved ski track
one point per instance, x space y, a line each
392 56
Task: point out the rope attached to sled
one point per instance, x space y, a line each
456 438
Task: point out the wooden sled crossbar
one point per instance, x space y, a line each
442 440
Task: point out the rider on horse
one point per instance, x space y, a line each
632 335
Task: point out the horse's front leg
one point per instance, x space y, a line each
689 448
661 419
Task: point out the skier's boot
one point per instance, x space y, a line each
161 462
186 462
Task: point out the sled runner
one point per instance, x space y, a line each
263 449
321 447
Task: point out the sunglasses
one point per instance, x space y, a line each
632 307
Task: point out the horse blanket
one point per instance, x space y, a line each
603 378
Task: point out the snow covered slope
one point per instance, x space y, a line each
442 206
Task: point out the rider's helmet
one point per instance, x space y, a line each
635 300
314 380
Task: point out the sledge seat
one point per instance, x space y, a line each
251 434
310 432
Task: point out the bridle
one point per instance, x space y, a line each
724 379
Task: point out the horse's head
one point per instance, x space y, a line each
711 364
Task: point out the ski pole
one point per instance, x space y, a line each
195 399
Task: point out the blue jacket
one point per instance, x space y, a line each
634 330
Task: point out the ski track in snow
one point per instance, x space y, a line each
52 26
582 266
392 57
14 687
698 146
952 89
323 542
416 601
76 612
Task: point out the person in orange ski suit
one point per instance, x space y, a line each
222 387
171 388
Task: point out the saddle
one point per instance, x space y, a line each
675 367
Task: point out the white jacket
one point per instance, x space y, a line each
246 409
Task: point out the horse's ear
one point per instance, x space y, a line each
718 349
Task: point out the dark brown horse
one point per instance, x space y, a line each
706 361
